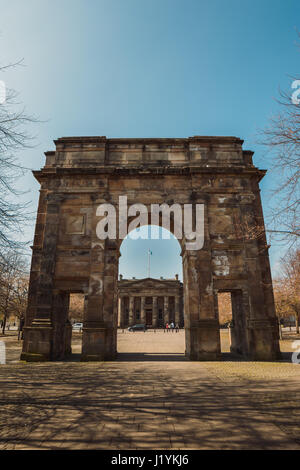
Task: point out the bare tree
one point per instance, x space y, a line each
13 290
291 279
225 309
19 299
76 307
282 139
281 297
13 137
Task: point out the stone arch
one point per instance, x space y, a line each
84 172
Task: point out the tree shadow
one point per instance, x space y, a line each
151 357
101 406
171 357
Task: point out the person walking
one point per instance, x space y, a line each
177 328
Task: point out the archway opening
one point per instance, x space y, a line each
76 310
150 296
68 325
225 320
232 322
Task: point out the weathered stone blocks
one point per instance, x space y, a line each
68 257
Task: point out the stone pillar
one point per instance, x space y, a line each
166 310
37 252
262 325
85 307
177 310
131 311
238 329
143 311
93 337
62 329
38 334
122 312
68 338
100 324
99 339
110 305
201 325
154 313
262 330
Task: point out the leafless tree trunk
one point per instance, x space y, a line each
14 270
297 323
13 137
291 279
282 139
280 329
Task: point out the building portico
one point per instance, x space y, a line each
153 302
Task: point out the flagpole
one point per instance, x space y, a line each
148 263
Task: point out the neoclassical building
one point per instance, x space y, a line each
153 302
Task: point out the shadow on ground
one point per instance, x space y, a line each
171 405
150 401
150 357
172 357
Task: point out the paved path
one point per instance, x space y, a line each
147 401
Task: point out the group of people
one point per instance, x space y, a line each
171 327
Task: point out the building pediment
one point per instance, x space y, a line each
149 283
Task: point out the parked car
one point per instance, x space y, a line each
288 322
139 327
227 324
77 326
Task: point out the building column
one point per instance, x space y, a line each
120 312
166 310
131 311
177 310
154 312
126 311
143 311
123 314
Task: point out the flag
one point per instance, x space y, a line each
149 254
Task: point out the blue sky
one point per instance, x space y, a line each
165 260
155 68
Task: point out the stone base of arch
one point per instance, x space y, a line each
263 340
203 341
38 342
98 344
